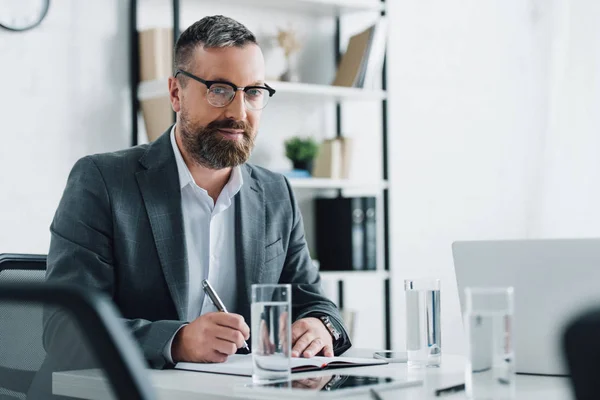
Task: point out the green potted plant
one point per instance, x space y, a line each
302 152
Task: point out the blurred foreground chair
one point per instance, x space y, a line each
19 362
581 349
82 329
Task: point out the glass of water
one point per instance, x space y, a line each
271 332
423 328
488 321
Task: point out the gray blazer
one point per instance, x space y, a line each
119 228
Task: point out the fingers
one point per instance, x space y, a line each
313 348
217 357
302 343
328 350
230 335
233 321
299 328
224 347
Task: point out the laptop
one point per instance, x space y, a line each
553 280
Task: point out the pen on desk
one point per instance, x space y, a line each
451 389
214 297
375 395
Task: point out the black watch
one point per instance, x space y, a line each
335 334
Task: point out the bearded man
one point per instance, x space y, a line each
148 224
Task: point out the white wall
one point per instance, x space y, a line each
493 132
62 97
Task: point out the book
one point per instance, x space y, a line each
363 60
241 364
353 60
328 163
155 57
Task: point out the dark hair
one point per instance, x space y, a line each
210 32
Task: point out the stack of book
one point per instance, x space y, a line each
362 63
333 159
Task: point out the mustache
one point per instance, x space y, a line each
230 124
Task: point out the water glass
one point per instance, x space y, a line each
423 327
488 321
271 332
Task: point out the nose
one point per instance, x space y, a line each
237 109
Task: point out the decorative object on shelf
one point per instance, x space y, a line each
289 42
333 159
301 151
19 16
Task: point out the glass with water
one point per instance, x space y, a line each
271 332
423 328
488 320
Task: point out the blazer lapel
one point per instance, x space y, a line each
159 185
250 238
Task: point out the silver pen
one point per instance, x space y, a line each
214 297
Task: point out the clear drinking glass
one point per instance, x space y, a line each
423 327
271 332
488 320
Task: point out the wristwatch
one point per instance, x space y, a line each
334 332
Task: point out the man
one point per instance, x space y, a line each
147 224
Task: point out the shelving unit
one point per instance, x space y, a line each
334 9
343 275
341 184
158 88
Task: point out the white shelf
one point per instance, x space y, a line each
319 7
332 92
159 88
342 275
324 183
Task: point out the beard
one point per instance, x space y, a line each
209 148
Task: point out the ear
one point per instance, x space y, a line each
175 94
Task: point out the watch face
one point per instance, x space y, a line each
19 15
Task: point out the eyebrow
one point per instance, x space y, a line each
219 79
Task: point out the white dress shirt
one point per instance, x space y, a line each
209 238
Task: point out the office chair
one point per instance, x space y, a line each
19 363
581 349
97 326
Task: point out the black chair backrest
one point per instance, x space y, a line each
99 327
19 362
581 350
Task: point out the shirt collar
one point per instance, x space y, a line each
232 187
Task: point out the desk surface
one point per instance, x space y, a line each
173 384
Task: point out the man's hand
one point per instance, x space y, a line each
310 337
211 337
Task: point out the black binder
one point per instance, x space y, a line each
369 208
342 235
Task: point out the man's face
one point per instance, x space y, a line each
216 137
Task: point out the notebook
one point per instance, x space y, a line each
241 364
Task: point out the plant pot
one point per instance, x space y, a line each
304 164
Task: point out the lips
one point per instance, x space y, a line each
232 134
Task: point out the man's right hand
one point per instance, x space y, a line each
211 337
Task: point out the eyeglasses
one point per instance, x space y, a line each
221 93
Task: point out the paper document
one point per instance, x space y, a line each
241 364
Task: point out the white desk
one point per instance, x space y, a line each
172 384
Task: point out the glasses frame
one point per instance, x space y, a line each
235 88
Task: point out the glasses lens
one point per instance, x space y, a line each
220 95
256 98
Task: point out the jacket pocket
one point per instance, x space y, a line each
273 250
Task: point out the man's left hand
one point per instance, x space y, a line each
310 337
